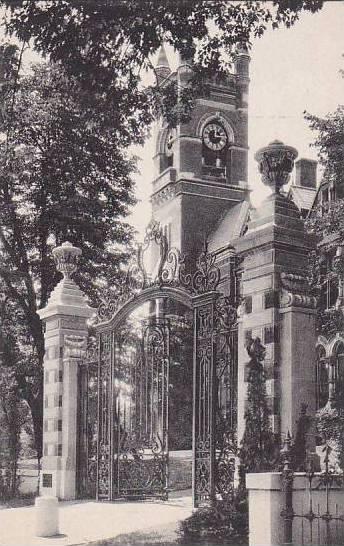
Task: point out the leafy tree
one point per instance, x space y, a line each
108 45
258 445
326 220
62 176
330 144
330 427
14 415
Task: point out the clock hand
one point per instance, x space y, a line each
216 137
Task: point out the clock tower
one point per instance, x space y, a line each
201 165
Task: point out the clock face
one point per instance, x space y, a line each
171 135
214 136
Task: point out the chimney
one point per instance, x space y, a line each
306 173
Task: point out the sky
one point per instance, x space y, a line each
291 70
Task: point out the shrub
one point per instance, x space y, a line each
224 522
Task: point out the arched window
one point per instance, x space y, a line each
169 146
329 292
165 148
321 378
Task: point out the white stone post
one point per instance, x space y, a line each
265 502
266 499
65 319
47 517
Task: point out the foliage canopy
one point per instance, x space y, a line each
62 177
109 44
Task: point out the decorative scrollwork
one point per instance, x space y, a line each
91 356
104 470
207 275
202 470
171 271
136 277
225 315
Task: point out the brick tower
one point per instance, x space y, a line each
201 166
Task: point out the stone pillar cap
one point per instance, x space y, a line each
67 298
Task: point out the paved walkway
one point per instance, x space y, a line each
87 521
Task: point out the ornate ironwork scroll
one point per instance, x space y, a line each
133 420
171 270
104 470
204 392
140 412
215 395
226 378
87 425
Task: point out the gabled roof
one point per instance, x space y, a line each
229 227
302 197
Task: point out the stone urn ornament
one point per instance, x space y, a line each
275 163
66 257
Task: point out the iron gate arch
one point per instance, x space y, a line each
214 375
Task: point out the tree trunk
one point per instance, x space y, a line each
35 395
36 406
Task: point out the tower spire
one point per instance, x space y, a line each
163 69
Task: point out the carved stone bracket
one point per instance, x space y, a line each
165 194
295 292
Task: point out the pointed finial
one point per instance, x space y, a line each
163 69
162 58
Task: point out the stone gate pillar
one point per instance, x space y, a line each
277 306
65 319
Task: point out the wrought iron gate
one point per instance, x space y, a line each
132 456
133 410
86 478
215 396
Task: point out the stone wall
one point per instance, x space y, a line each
266 494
